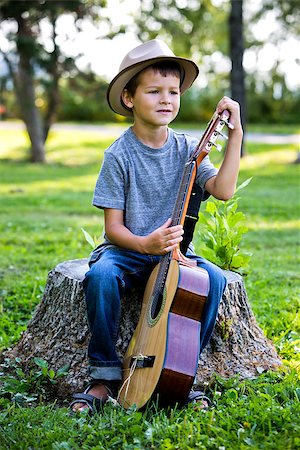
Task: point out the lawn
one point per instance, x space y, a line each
43 209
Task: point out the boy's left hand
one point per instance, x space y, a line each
234 109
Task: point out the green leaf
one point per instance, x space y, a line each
231 206
88 238
243 185
237 261
63 371
41 363
211 208
211 238
203 219
208 254
236 218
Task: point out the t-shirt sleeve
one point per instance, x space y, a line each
109 190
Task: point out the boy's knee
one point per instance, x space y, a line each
216 275
101 272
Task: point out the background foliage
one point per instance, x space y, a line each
198 29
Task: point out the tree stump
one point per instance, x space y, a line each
58 332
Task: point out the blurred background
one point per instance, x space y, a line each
57 57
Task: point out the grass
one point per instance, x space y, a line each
42 211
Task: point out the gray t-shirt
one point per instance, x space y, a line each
144 181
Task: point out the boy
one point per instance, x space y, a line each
137 187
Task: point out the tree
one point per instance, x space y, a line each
194 28
32 66
236 40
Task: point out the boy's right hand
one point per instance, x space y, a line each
162 240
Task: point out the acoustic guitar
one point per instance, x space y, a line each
162 356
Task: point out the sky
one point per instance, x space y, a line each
104 55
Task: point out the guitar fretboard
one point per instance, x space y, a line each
182 193
213 130
159 286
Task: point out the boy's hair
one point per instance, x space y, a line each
163 67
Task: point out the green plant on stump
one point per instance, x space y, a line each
93 241
221 229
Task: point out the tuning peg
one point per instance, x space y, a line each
225 119
218 146
223 135
220 126
214 136
210 144
229 124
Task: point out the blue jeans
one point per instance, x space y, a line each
114 272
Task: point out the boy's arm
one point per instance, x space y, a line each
161 241
222 186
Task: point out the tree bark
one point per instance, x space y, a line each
26 95
53 89
236 39
58 332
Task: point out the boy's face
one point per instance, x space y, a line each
156 100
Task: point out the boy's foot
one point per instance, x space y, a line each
92 398
199 400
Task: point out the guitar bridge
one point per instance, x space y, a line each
142 361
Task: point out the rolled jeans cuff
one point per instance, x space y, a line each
105 373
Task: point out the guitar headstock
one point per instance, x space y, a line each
212 133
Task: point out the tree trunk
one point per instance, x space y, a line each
237 79
58 332
297 160
26 96
53 89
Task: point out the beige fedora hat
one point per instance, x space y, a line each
138 59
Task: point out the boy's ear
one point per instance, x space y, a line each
127 98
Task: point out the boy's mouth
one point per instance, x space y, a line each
164 111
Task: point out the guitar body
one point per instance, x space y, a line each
162 357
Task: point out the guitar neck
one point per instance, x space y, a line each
210 135
184 193
185 189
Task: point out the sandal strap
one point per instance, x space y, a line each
195 396
109 391
92 402
86 397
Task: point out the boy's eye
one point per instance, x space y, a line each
174 92
153 91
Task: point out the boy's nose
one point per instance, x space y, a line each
164 101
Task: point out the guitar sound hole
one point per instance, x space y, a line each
156 305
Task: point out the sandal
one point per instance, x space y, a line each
93 403
199 399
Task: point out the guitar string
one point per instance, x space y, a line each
127 380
